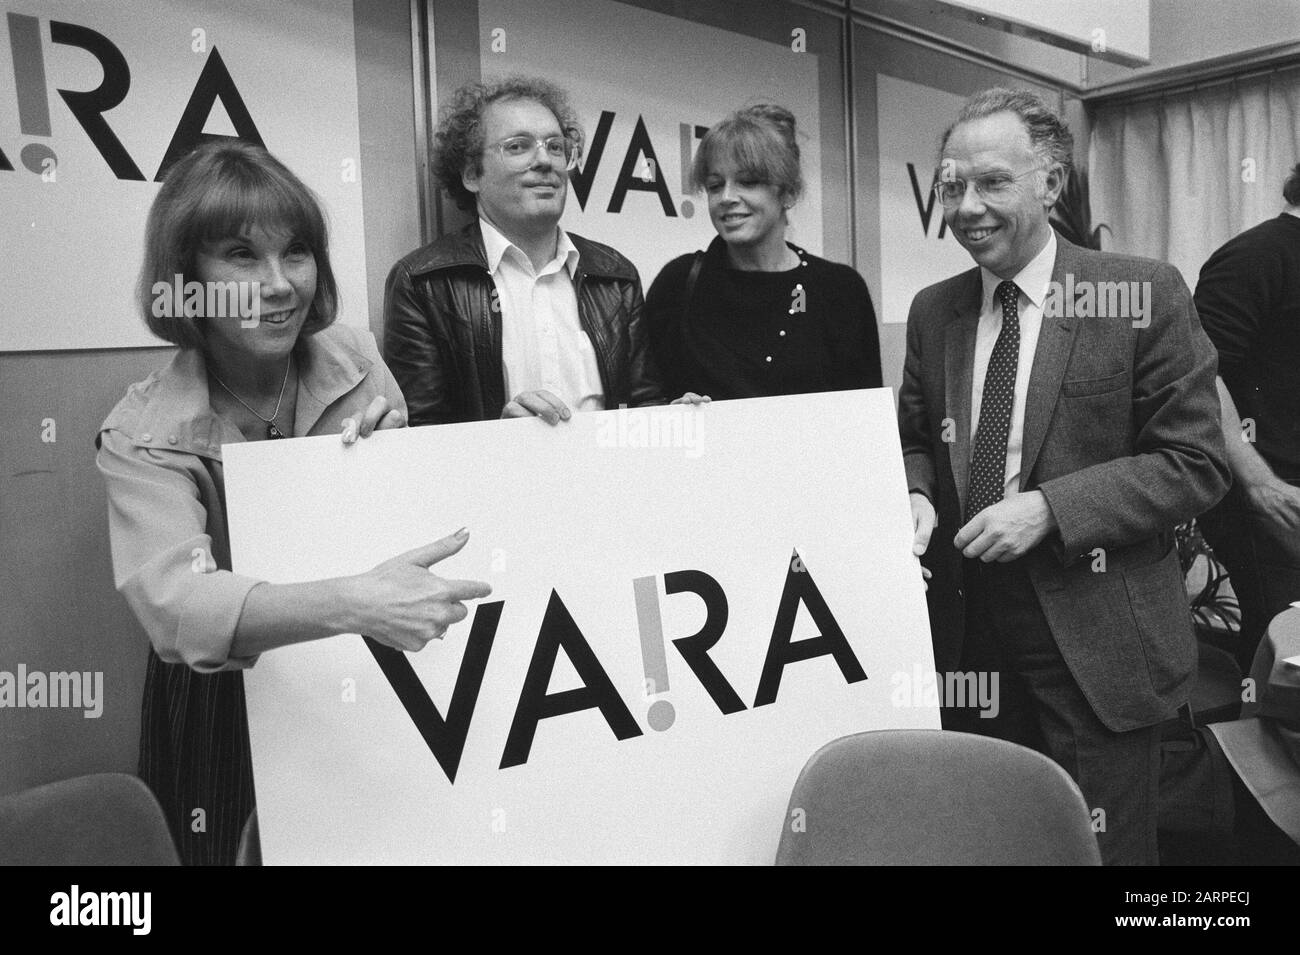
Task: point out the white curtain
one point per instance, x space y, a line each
1171 177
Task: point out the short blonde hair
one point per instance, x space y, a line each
760 142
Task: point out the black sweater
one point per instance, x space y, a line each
755 334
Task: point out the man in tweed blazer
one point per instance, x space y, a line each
1093 383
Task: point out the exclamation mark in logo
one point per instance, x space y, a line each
29 82
661 713
688 155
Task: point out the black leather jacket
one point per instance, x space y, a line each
442 337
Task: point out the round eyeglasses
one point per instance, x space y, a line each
993 187
518 151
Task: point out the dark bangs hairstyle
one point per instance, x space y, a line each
219 190
759 141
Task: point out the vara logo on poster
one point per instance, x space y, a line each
89 106
558 631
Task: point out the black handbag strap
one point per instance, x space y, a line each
691 278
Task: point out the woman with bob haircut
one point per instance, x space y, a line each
234 220
754 315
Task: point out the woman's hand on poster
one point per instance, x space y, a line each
402 604
378 416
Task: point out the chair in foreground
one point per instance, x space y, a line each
103 819
930 797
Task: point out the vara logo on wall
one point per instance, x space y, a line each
99 100
33 87
640 170
927 202
916 247
445 736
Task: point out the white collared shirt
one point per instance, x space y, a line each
543 345
1033 281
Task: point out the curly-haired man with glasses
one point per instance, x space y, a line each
512 315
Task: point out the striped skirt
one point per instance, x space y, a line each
195 756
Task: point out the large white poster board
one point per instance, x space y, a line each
916 248
79 171
629 551
642 83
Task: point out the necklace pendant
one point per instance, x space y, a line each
272 431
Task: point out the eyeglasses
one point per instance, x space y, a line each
518 151
994 186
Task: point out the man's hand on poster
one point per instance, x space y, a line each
691 398
1008 529
552 410
541 404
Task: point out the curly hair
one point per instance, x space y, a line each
458 142
216 191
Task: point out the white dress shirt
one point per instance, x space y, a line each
1033 281
543 345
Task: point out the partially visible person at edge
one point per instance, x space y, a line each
1248 297
230 212
756 315
513 316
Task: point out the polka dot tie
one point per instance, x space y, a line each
989 462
